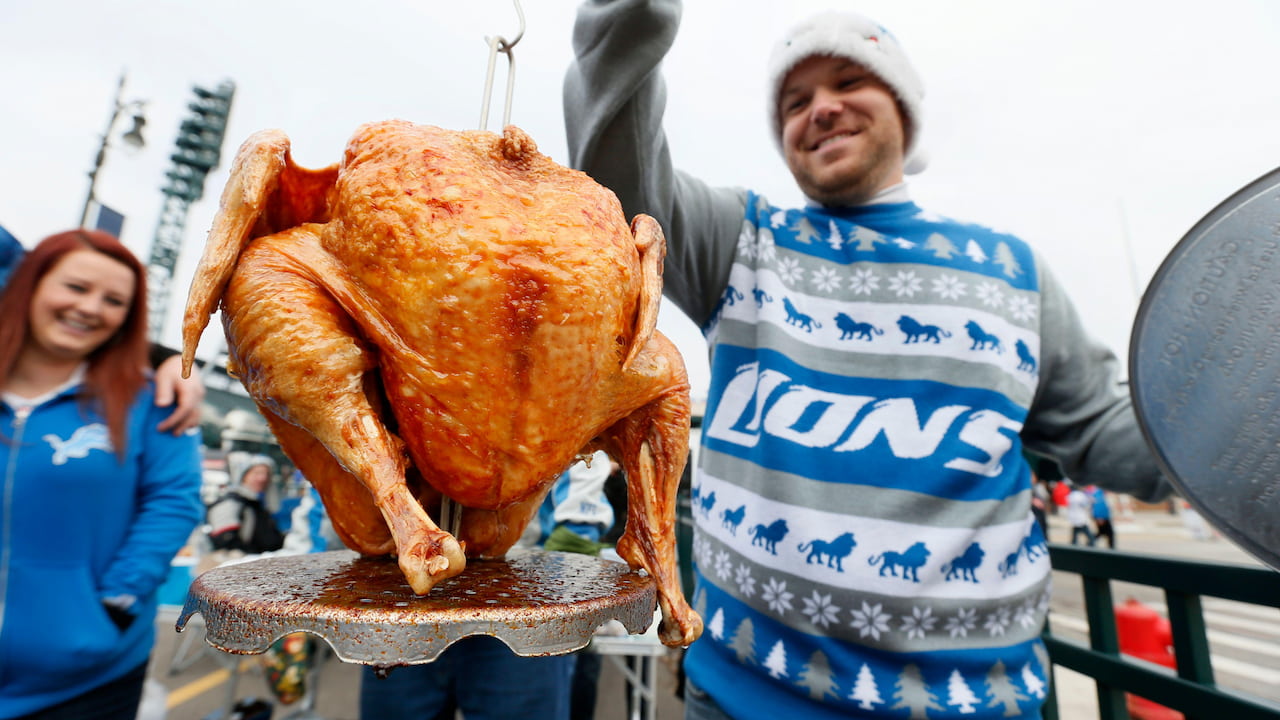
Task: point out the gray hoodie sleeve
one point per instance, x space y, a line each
614 98
1081 415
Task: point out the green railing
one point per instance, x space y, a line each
1191 690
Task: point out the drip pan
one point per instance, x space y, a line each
537 602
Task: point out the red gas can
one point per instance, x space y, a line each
1145 634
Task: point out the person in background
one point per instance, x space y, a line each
1102 516
289 662
577 515
1040 503
239 521
1061 489
575 518
1079 512
96 499
1124 504
310 529
876 372
1194 522
185 394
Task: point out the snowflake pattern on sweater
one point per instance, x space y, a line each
862 508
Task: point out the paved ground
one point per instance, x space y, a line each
201 689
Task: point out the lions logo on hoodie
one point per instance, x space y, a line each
84 439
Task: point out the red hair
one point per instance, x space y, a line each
116 368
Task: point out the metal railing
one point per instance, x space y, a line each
1190 690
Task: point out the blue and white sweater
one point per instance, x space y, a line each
78 526
865 545
865 540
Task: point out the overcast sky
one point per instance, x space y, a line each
1100 131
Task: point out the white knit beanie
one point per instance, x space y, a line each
862 40
254 461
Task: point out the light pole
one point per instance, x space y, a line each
133 138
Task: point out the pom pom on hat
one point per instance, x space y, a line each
860 39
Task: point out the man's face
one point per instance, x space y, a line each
842 131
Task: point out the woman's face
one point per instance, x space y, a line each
80 304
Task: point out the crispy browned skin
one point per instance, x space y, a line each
456 309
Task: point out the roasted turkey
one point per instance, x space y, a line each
449 314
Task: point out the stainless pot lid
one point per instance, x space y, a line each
1204 365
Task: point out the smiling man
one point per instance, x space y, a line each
845 106
864 545
842 132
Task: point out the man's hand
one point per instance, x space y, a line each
188 392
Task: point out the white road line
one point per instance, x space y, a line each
1229 666
1223 664
1222 621
1262 639
1261 612
1218 638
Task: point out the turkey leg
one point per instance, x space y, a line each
652 445
271 308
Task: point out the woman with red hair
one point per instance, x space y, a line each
95 500
185 395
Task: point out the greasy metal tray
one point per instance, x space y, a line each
1204 364
537 602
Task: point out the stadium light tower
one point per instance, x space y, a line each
198 153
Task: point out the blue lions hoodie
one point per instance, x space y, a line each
79 525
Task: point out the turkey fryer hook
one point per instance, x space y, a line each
499 44
450 511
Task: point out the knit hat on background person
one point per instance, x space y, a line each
254 461
862 40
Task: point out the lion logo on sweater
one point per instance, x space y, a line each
84 439
1026 361
982 340
833 552
799 319
914 331
910 561
769 535
851 329
731 519
965 565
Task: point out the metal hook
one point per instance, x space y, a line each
496 45
450 510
